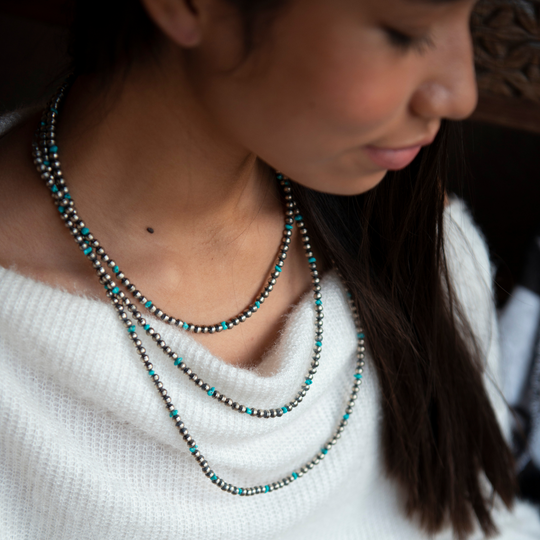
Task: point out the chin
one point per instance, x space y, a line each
349 186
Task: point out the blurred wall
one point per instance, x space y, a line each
33 55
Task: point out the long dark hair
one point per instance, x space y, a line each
439 430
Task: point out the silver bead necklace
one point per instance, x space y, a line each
46 159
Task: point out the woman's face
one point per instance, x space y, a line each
337 92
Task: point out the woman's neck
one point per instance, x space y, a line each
159 161
133 162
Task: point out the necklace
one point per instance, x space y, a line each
46 159
48 164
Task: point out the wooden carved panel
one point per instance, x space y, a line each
507 40
506 34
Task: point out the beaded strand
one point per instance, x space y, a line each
193 448
46 157
50 170
47 161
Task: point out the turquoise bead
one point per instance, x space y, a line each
132 329
266 489
309 382
46 162
279 176
318 302
361 336
324 451
116 290
173 413
147 327
148 304
240 491
349 294
116 269
278 268
345 417
224 325
54 189
312 260
42 123
318 343
54 110
178 361
61 209
151 372
248 411
211 391
67 196
214 478
87 251
294 475
53 149
285 410
85 231
289 227
298 217
258 304
193 449
358 376
185 326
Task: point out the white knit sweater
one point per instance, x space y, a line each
88 451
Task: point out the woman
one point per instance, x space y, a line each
165 148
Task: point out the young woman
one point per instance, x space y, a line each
262 170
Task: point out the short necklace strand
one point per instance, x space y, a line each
50 169
54 179
92 248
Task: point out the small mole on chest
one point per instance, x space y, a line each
150 230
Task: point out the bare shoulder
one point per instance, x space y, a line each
30 232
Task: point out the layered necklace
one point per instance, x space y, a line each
118 288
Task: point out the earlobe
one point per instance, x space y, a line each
179 20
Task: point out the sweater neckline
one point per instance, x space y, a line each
266 367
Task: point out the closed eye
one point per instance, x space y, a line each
405 42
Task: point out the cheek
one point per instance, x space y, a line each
336 108
326 111
356 87
312 104
323 111
356 103
339 89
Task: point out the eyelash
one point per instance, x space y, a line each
407 43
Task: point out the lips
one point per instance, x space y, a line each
392 159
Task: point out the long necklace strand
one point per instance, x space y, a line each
45 152
50 168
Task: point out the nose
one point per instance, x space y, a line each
449 88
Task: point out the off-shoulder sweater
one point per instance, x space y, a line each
89 452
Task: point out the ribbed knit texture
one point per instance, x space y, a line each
88 451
